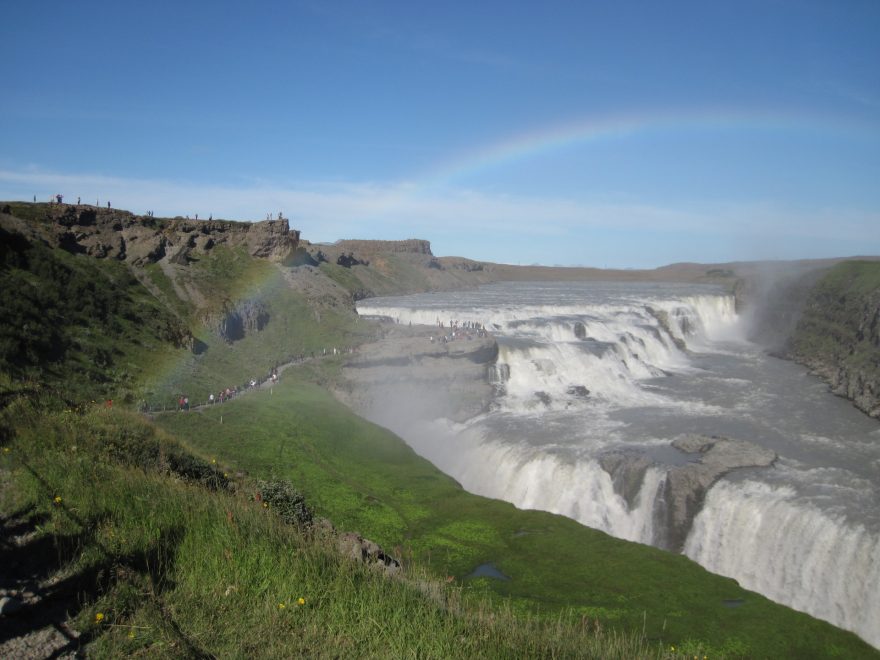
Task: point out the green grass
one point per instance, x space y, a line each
159 567
366 479
225 277
84 327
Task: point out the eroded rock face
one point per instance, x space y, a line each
411 245
238 320
838 334
686 485
115 234
627 472
663 319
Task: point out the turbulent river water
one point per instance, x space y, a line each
585 369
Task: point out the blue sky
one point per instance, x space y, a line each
627 134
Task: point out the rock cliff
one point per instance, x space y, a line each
410 246
838 334
685 486
139 240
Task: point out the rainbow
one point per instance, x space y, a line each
568 135
585 131
171 368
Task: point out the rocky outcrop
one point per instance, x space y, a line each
411 246
349 260
686 485
627 470
236 321
663 320
139 240
838 334
364 551
684 488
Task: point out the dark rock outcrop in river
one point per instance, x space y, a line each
685 486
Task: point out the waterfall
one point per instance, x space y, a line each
588 371
795 554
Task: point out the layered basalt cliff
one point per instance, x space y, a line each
838 334
410 246
139 240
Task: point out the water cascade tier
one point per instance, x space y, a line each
640 409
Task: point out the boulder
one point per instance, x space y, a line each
355 547
686 485
10 605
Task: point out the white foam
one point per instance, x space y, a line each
533 478
793 553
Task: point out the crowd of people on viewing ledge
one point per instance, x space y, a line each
460 330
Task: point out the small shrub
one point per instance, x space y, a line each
287 501
195 469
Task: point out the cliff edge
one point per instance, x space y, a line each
144 239
838 335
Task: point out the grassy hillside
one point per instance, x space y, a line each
225 278
153 525
150 561
84 327
365 478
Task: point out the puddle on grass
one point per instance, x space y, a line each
487 570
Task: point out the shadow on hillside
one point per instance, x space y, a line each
32 563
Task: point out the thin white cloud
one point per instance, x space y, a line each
330 211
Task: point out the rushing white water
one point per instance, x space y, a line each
809 558
587 369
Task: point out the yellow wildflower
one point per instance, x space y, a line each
6 450
131 634
99 617
57 499
301 601
281 606
265 505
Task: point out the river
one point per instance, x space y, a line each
592 368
